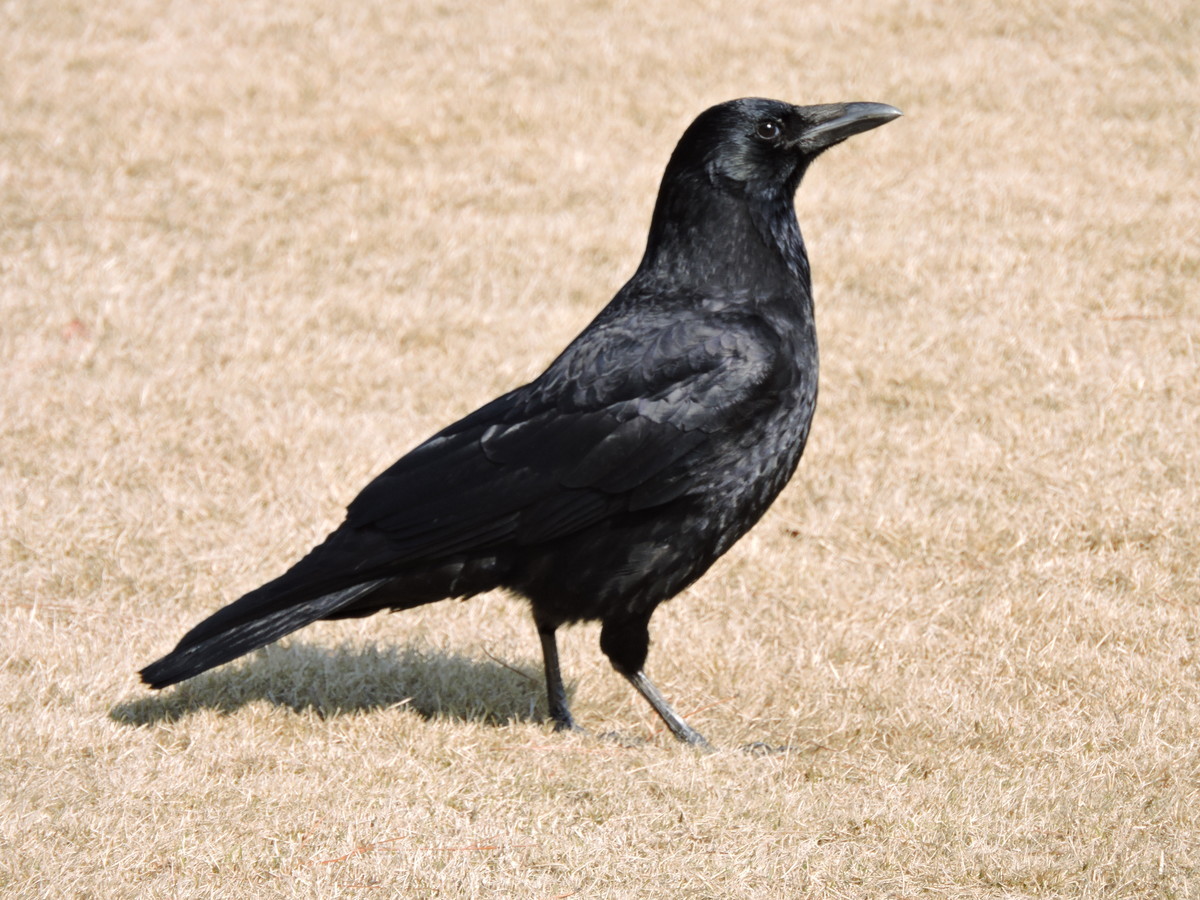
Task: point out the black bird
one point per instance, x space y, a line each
614 480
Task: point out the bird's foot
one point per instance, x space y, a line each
759 748
566 723
621 740
696 739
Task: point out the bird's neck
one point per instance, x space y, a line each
724 241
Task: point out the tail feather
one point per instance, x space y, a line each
255 620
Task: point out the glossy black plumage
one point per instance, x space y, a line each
647 448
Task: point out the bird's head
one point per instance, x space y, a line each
767 145
726 196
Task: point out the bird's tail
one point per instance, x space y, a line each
260 617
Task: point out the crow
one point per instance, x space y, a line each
617 477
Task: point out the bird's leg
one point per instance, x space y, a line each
556 694
626 644
674 721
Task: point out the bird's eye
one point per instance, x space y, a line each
768 130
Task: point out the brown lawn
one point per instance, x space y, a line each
251 252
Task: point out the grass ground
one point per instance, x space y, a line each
251 252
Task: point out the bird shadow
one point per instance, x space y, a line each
345 680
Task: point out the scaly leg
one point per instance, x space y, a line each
626 643
556 694
674 721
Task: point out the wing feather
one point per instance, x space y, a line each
618 422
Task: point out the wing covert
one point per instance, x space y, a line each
618 421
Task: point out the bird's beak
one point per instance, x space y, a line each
834 122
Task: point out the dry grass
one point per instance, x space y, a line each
250 252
